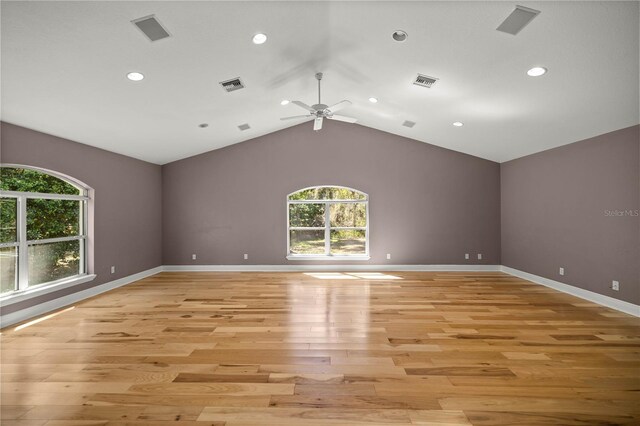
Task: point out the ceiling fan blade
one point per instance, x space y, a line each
317 123
303 105
339 106
293 117
343 118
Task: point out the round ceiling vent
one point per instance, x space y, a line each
399 35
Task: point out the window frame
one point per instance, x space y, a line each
22 244
327 228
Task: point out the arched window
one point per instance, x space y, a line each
43 228
328 222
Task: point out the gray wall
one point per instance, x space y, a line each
127 206
554 213
428 205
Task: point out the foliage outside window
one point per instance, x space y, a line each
42 229
327 221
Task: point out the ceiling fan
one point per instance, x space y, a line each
321 111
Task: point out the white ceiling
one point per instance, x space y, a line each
64 67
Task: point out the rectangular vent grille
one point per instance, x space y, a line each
244 126
233 84
517 20
409 124
151 27
425 81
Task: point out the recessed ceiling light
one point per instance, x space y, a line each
135 76
537 71
203 125
259 38
399 35
373 100
458 124
284 102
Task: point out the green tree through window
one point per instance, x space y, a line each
54 227
327 221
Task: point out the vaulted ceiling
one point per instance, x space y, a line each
64 67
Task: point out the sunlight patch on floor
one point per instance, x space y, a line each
35 321
352 276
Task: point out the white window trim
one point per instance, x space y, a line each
39 290
23 292
327 228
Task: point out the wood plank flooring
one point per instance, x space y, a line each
391 348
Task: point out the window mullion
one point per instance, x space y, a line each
288 228
23 252
327 229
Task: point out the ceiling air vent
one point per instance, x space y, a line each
424 81
409 124
518 19
151 27
233 84
244 126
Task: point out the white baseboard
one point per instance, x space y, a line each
600 299
328 268
55 304
43 308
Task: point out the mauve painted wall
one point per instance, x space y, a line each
127 209
553 213
428 205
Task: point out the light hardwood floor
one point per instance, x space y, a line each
315 349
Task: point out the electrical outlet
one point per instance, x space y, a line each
246 256
561 271
479 256
388 256
466 256
193 256
615 285
113 269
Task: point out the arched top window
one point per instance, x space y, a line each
22 179
333 193
327 222
43 228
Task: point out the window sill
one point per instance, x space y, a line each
322 257
30 293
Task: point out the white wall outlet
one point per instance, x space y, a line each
388 256
615 285
193 256
561 271
466 256
479 256
113 269
246 256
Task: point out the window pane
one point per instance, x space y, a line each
307 215
348 242
52 218
8 223
53 261
26 180
353 215
328 193
8 268
306 242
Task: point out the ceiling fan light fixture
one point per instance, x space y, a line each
399 35
259 38
373 100
458 123
285 102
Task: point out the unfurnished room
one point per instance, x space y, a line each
311 213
